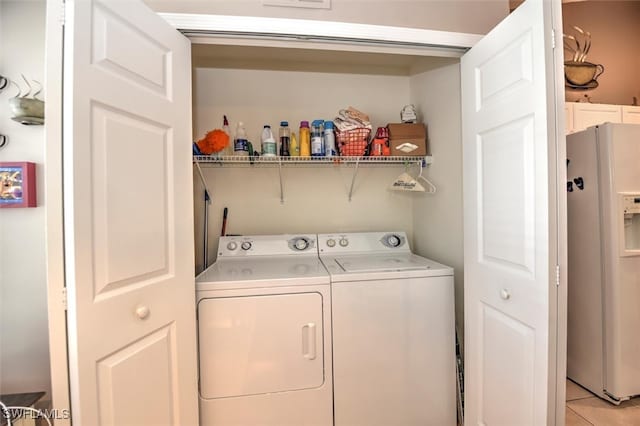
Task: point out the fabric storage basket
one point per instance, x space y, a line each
353 143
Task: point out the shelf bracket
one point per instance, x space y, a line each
353 179
280 176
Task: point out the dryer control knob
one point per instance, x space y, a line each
344 242
301 244
232 245
331 242
246 245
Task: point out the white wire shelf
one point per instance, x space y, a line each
279 162
282 161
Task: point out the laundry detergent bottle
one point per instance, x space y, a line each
294 148
269 145
305 139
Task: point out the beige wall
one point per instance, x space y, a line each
24 356
259 97
471 16
316 198
615 32
437 220
316 201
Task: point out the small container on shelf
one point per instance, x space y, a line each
228 150
380 144
285 139
240 143
329 139
268 142
317 140
353 143
294 147
305 139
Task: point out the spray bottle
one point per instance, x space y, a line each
329 139
228 150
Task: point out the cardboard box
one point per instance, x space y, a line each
407 139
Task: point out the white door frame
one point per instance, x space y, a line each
56 290
559 157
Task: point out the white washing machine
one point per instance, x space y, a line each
264 330
393 332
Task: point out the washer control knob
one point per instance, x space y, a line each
344 242
301 244
393 241
232 245
331 242
246 245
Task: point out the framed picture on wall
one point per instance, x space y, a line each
17 184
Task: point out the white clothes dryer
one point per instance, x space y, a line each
264 334
393 332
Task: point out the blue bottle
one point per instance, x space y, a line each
329 139
317 142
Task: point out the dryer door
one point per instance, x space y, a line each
253 345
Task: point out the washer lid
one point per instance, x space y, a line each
382 263
382 266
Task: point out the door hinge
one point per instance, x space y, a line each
63 16
557 275
64 298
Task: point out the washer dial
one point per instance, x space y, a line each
393 240
344 242
331 242
246 245
232 246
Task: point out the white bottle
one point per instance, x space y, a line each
269 145
240 143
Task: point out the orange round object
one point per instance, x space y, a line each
214 141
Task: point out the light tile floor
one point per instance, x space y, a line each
586 409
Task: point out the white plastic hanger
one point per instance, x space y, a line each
405 182
432 187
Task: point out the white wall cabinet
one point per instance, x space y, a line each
587 115
568 117
579 116
631 114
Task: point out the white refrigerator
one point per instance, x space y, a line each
603 203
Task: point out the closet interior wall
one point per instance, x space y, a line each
438 218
